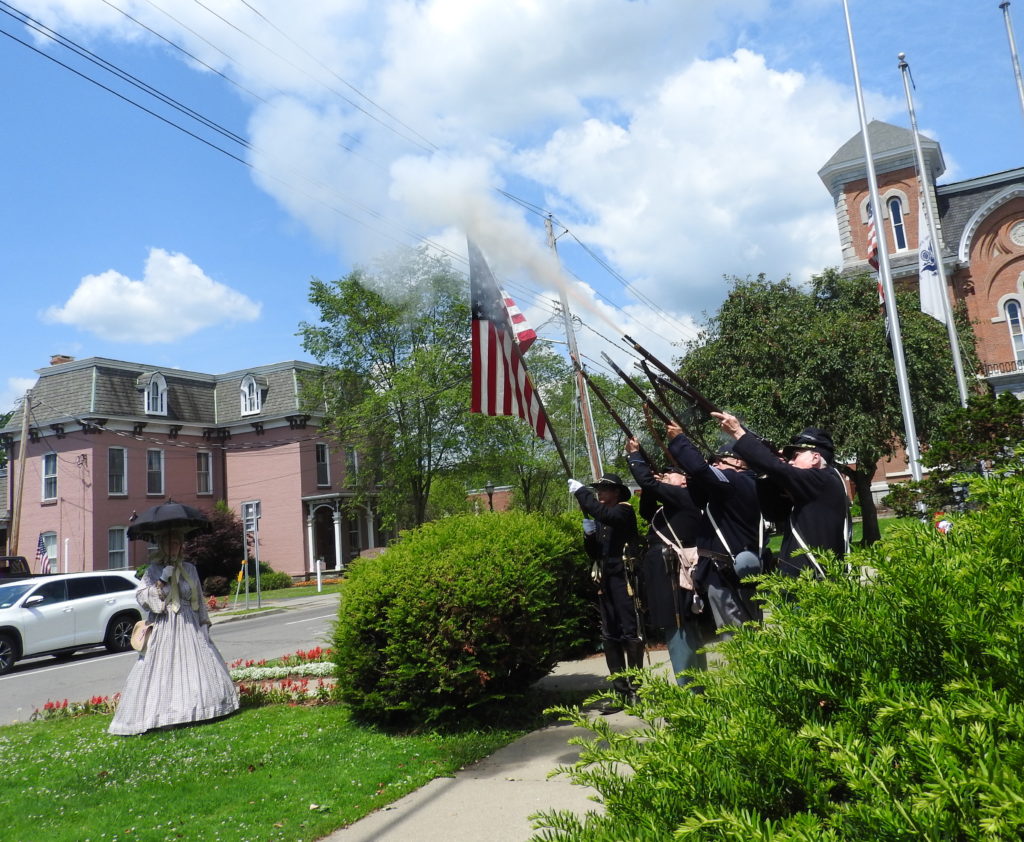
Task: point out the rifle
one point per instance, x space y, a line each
659 385
615 416
687 390
659 440
644 397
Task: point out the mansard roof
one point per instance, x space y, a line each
97 387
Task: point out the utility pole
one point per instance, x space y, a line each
581 384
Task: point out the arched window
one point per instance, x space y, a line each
252 396
156 395
899 235
1016 325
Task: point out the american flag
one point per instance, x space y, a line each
525 335
872 239
501 383
42 555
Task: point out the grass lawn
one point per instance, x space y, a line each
883 524
272 773
280 593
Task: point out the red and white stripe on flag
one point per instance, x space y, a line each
42 554
500 381
872 240
525 335
501 384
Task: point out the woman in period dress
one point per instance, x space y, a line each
180 677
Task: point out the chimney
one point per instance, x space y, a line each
57 359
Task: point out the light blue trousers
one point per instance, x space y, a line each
683 644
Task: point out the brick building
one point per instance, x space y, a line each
981 242
106 438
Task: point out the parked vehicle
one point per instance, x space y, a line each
60 614
14 567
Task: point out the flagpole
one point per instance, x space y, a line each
1005 6
927 189
574 354
903 386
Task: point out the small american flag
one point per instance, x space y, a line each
42 555
525 335
501 383
872 239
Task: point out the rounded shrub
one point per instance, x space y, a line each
272 580
216 586
459 613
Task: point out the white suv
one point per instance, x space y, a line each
55 615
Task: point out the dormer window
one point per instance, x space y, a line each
252 394
156 395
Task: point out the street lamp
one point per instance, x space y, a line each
489 488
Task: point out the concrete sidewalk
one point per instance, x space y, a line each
491 801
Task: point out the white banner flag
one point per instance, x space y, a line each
932 293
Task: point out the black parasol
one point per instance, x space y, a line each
159 519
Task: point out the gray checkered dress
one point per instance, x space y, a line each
181 677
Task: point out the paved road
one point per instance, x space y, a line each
94 672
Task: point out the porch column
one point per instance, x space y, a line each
338 565
309 543
370 539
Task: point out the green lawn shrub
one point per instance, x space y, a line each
879 705
461 613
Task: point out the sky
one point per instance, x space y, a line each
675 143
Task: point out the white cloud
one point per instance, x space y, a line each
678 166
174 299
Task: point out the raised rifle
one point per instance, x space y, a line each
689 391
659 384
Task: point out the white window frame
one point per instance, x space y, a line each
156 395
150 473
201 457
323 465
351 461
117 548
897 222
1015 326
48 470
50 542
251 396
123 491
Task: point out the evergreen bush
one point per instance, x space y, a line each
272 580
460 613
886 703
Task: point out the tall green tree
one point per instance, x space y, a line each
784 357
395 343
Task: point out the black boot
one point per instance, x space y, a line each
615 657
635 649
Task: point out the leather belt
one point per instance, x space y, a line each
717 556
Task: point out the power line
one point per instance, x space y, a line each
349 85
293 65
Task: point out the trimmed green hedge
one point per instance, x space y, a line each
886 708
459 613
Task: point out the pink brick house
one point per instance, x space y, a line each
106 438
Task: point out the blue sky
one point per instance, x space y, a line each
678 140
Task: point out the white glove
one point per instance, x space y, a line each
166 573
574 486
589 526
206 633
